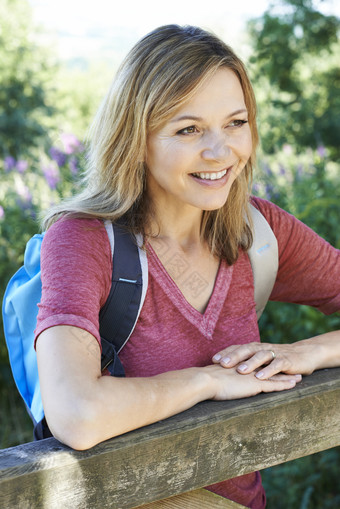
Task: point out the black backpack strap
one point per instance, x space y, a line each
119 314
41 430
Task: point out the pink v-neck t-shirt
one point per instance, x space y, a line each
76 268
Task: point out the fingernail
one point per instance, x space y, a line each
243 367
260 374
292 382
225 361
217 357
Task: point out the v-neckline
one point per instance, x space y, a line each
205 322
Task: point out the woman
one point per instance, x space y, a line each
172 152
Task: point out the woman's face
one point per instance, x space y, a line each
196 156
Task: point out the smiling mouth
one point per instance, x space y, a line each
209 175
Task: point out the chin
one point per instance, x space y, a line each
215 205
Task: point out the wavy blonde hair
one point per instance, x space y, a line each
161 72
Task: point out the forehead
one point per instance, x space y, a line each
221 92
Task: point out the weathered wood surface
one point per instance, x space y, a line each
198 499
209 443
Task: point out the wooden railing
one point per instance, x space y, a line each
209 443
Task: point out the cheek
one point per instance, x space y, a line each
245 145
159 152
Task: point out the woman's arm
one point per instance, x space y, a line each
83 408
301 357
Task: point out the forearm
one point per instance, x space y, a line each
119 405
82 407
325 349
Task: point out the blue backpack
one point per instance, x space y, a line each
120 312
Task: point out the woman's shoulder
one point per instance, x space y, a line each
77 239
75 231
77 226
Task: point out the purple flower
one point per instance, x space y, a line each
267 170
9 163
282 170
269 191
321 150
2 212
73 165
58 156
21 166
256 187
71 143
52 175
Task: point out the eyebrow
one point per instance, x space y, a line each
193 117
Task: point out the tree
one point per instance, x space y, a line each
26 72
295 71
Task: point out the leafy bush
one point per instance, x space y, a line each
306 483
308 186
27 81
28 187
295 71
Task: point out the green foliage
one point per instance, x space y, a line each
77 104
296 77
308 186
15 424
26 78
28 187
294 66
306 483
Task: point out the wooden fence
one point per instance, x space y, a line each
165 465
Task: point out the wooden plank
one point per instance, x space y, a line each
204 445
197 499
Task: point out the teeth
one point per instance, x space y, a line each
210 176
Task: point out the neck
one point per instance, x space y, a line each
181 227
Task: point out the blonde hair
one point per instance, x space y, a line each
161 72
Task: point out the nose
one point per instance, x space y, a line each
216 148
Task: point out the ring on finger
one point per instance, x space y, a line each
273 354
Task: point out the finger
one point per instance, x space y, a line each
261 358
278 385
233 355
278 365
226 356
283 376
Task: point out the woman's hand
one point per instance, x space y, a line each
268 359
230 384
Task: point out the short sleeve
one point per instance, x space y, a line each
309 267
76 268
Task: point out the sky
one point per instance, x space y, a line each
79 16
106 29
82 27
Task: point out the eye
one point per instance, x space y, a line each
237 123
192 129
